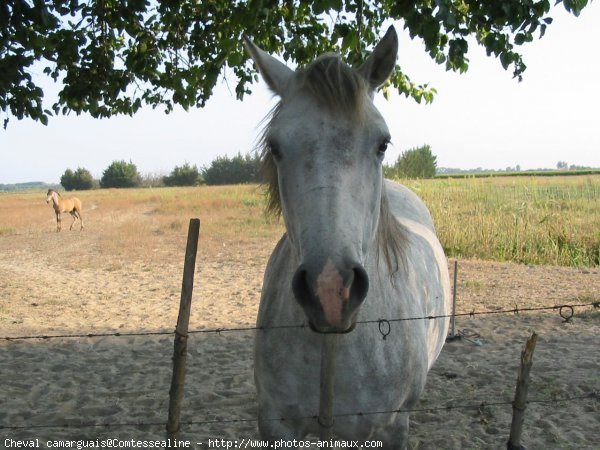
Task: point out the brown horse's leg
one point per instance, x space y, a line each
58 222
74 215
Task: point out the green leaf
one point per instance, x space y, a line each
158 53
519 39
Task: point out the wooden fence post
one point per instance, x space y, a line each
328 357
520 401
181 331
453 335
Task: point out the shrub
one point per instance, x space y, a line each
120 174
67 180
417 162
236 170
79 180
185 175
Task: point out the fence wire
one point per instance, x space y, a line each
569 308
595 395
566 311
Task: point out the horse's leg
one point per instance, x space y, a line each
273 430
74 215
396 437
80 219
58 222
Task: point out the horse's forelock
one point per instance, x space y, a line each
336 86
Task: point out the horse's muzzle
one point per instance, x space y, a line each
321 331
330 297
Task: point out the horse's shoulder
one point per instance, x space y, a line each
405 204
280 256
281 247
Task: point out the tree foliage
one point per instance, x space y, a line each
79 180
114 56
418 162
185 175
236 170
120 174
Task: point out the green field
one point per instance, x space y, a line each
522 173
531 220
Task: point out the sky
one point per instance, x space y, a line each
482 118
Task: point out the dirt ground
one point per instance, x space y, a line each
74 283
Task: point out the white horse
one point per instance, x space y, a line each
357 248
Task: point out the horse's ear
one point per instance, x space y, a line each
275 73
381 63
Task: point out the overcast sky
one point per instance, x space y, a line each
483 118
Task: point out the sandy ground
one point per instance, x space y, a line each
70 388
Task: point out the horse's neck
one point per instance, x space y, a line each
56 201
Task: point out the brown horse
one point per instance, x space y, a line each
72 205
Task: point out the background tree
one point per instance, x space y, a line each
185 175
120 174
66 180
236 170
418 162
114 56
79 180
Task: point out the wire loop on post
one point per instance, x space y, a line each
384 330
567 315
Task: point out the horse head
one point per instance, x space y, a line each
49 195
323 153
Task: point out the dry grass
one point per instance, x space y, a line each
137 222
536 220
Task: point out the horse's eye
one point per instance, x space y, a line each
274 150
383 147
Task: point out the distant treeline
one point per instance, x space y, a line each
418 162
31 185
238 169
520 173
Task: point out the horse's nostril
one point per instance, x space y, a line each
300 285
360 284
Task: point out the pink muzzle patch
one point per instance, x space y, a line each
331 293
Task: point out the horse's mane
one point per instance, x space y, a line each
336 86
57 193
343 92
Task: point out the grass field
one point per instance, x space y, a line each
530 220
535 220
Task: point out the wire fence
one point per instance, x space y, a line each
595 395
566 312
